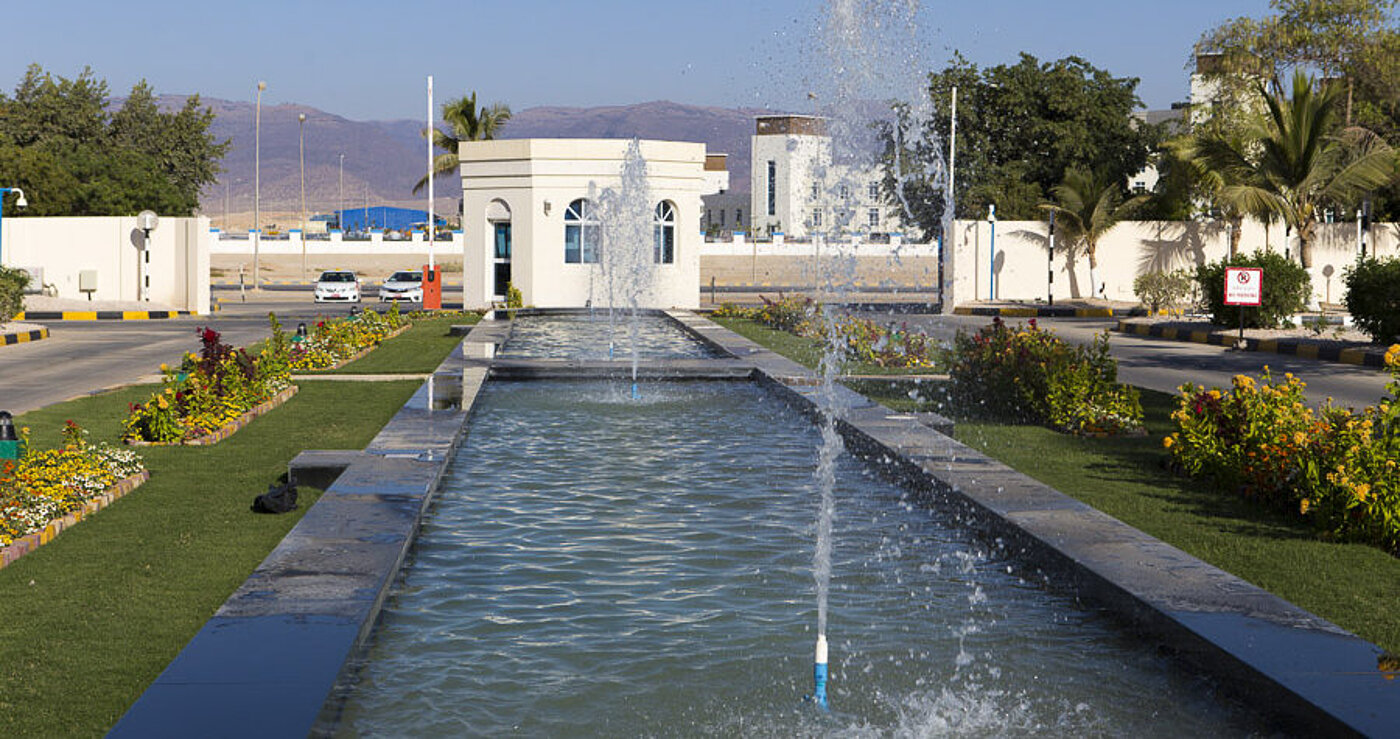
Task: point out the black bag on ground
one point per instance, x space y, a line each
277 499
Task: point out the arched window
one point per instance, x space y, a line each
580 233
664 230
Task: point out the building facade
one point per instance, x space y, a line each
536 217
798 191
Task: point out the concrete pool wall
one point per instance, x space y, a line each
268 660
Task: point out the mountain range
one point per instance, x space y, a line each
383 159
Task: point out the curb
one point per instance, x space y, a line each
1363 356
1042 312
21 337
101 315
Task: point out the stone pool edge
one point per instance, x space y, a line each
1319 676
268 660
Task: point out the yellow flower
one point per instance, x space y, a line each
1299 437
164 367
162 403
1214 394
1167 442
1362 490
1303 506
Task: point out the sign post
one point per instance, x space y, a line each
1244 286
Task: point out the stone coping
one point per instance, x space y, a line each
1041 311
28 543
227 430
269 660
1325 350
1308 673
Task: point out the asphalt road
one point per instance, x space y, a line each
1164 365
83 357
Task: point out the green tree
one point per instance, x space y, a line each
58 142
1088 205
1020 128
468 123
1301 165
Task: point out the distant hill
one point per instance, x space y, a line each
383 159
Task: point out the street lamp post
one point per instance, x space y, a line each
992 266
257 185
20 203
147 222
301 145
340 214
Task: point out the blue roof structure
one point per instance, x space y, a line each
385 217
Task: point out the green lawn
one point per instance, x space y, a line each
418 350
1353 585
89 620
805 351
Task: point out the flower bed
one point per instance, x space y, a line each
861 340
208 393
227 430
1338 469
1032 375
336 342
45 491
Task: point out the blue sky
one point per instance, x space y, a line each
368 60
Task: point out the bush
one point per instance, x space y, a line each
1032 375
1285 291
12 284
1338 469
1373 297
1163 290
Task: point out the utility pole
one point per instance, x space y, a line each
340 213
257 185
301 145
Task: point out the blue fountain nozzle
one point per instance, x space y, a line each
819 674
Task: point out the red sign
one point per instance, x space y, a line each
1244 285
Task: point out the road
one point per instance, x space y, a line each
83 357
1164 365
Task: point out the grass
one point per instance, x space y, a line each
89 620
806 351
418 350
1353 585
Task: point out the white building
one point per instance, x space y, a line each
799 191
532 211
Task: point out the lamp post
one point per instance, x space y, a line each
340 213
19 203
257 184
147 222
301 146
992 266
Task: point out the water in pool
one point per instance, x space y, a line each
602 566
590 336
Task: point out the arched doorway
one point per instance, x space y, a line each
498 217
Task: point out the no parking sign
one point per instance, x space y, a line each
1244 285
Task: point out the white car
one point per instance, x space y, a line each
337 285
402 286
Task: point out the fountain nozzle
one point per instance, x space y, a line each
818 695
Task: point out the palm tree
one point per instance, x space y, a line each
1089 204
1223 160
468 124
1300 165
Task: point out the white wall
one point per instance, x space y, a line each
1133 248
63 247
536 179
293 245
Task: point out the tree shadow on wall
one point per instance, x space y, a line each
1069 252
1177 244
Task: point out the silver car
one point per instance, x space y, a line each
402 285
337 285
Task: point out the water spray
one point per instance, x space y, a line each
819 672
